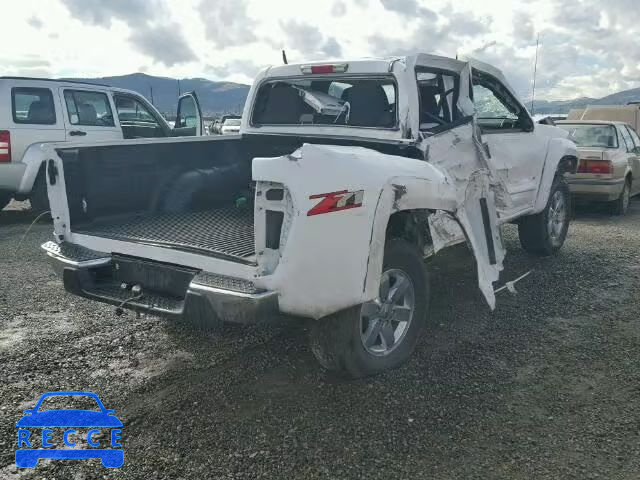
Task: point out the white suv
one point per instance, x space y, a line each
36 111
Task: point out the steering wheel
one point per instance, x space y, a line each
106 120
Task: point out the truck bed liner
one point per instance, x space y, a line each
225 232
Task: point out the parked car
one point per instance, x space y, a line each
34 111
231 126
344 178
609 162
629 114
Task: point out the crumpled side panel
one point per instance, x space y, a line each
462 159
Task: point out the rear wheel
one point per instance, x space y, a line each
380 334
621 205
545 232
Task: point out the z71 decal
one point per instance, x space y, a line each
336 201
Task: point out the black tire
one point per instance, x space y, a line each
5 199
38 198
621 205
336 341
535 231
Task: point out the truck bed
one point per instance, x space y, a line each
223 232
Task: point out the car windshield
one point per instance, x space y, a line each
586 135
340 101
232 122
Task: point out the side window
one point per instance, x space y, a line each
488 106
627 138
135 118
438 93
496 108
635 138
33 106
88 108
187 114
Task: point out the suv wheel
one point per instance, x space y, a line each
544 233
380 334
621 205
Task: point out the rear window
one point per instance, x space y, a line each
340 101
597 136
33 106
232 122
88 108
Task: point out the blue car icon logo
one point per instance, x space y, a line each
68 418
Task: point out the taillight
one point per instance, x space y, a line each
5 146
320 69
595 166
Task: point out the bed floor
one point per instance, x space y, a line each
226 232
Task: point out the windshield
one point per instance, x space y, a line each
232 122
340 101
584 135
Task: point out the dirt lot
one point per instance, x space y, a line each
547 386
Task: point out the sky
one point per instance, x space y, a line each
587 47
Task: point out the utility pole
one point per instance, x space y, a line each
179 93
535 71
151 91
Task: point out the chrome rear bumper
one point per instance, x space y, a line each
203 298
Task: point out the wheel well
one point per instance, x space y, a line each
567 164
410 225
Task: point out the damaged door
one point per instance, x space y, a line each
459 152
517 152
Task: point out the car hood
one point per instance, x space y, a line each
69 418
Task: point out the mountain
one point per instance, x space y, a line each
215 97
563 106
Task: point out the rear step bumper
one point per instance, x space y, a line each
206 299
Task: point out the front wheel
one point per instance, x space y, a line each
545 232
380 334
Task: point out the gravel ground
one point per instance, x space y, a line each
547 386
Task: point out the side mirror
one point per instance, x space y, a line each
188 116
109 411
29 410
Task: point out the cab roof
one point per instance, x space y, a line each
385 65
66 83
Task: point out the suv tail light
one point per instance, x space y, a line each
595 166
5 146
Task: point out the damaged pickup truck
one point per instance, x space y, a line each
345 177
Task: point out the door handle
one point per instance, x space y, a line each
77 133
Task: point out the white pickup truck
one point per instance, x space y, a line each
346 175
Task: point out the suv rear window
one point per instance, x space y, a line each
33 106
88 108
340 101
